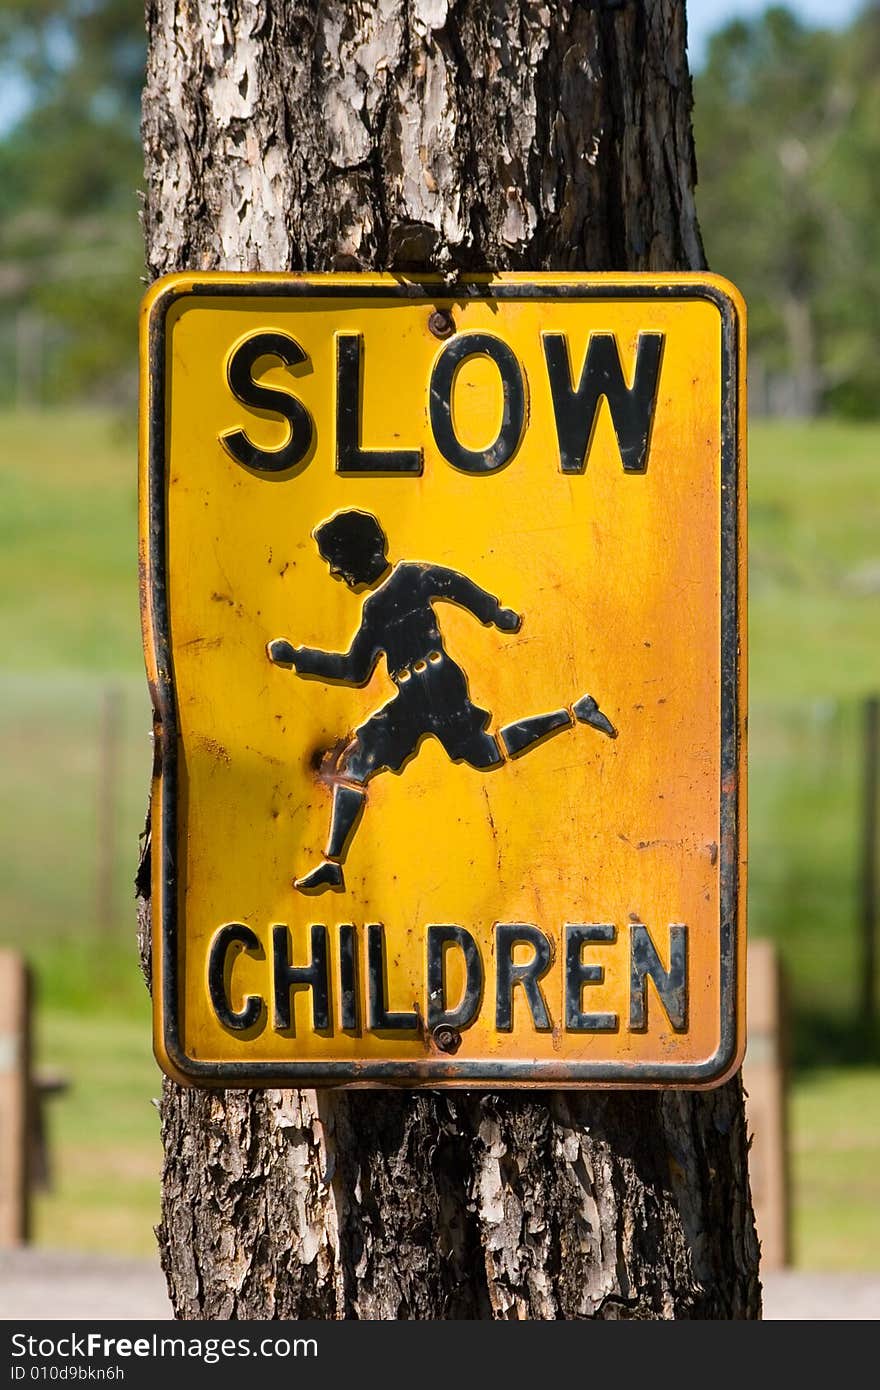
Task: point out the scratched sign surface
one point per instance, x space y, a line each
442 601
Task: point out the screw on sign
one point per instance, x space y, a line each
416 863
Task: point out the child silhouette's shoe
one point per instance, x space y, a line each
586 711
326 875
281 652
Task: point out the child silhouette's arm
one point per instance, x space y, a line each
449 584
353 667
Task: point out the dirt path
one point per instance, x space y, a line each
36 1285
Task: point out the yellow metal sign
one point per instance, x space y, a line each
442 612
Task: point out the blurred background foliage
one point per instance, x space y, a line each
787 124
787 120
70 170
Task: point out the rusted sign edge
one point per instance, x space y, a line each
155 617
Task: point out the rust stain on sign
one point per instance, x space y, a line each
417 772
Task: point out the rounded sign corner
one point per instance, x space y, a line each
183 1070
162 293
730 296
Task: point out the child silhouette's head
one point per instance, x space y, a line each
353 544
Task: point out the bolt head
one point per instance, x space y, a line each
441 323
446 1039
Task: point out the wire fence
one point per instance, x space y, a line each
76 756
811 866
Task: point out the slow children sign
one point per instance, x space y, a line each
442 607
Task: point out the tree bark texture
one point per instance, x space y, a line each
505 134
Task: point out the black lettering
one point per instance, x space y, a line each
288 976
348 995
508 935
469 1006
671 984
578 974
379 1016
350 456
239 374
513 413
233 934
632 408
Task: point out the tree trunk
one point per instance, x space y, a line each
804 376
423 134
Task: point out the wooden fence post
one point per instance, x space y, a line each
15 1098
764 1078
869 875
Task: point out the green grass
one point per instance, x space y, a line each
69 632
68 544
68 571
103 1132
835 1140
805 798
50 856
814 620
814 548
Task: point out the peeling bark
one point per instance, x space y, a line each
512 134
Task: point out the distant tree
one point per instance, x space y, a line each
850 305
788 141
70 168
788 148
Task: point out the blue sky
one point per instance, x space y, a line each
704 16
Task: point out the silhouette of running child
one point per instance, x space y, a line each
432 697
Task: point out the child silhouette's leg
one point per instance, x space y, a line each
348 802
586 711
523 734
385 740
